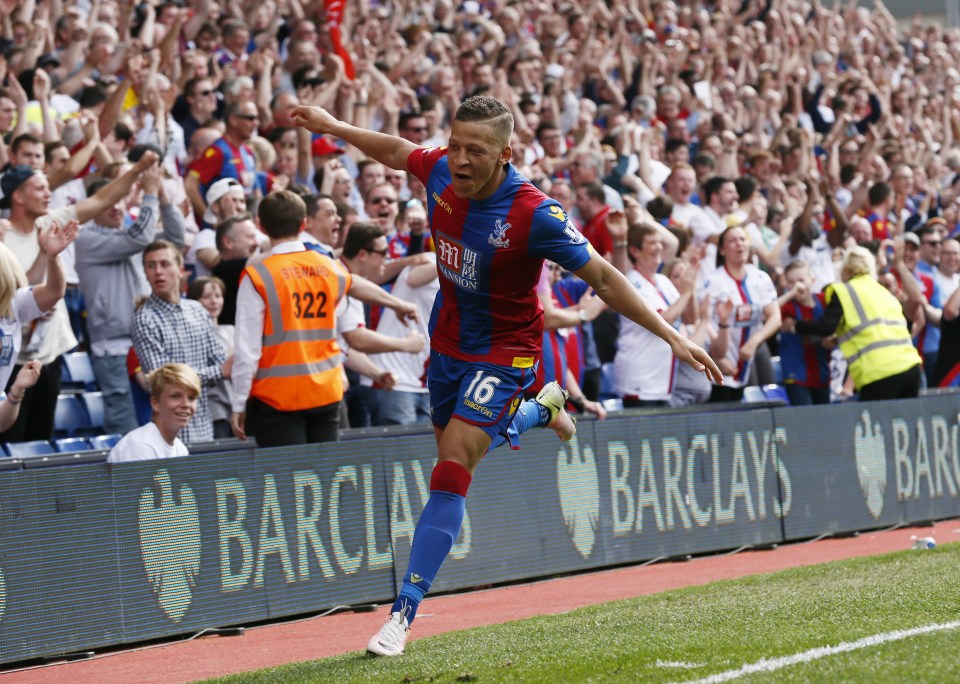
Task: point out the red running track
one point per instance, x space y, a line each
322 637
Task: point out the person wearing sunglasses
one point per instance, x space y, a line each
228 157
201 100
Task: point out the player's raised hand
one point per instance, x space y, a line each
690 353
314 119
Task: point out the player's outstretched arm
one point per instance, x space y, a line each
614 289
389 150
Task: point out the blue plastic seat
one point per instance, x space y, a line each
79 370
93 401
70 444
104 441
753 395
71 417
28 449
776 393
777 369
608 385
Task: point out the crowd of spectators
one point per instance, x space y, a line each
726 156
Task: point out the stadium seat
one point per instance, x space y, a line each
777 370
28 449
70 417
70 444
615 404
753 395
608 389
776 393
78 371
94 404
104 441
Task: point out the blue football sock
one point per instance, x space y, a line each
433 538
530 414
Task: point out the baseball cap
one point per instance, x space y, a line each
13 179
48 59
217 191
912 238
322 146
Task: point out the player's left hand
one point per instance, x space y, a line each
690 353
314 119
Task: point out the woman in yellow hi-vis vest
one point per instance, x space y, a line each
871 330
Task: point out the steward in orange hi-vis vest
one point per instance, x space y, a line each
300 362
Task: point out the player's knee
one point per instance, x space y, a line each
450 476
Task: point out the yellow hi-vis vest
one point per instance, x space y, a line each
300 361
873 332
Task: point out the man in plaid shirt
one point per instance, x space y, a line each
171 329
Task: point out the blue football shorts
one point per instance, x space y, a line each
483 394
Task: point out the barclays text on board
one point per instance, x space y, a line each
224 539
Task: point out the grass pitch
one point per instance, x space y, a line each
703 632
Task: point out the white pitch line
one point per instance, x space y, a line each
771 665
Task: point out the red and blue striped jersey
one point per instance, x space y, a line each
805 362
490 254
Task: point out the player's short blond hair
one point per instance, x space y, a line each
173 374
488 110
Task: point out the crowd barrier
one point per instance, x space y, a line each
96 555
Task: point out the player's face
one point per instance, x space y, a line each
476 159
174 408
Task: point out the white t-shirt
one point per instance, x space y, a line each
205 239
948 284
53 337
67 195
25 309
145 444
819 256
705 225
749 296
685 214
409 369
644 366
349 318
